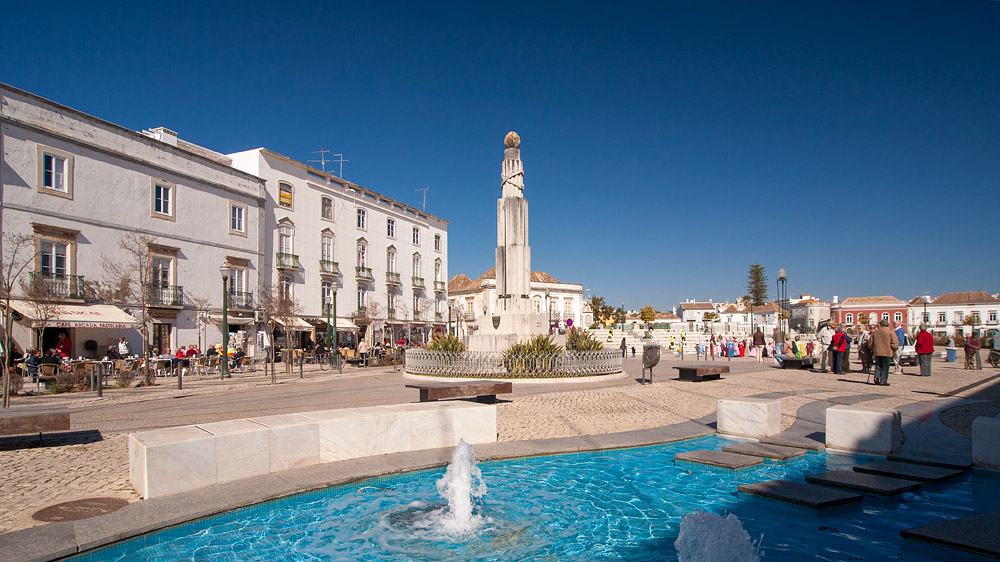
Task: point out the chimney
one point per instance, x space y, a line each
165 135
836 299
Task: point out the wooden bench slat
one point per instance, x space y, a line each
483 390
699 374
43 420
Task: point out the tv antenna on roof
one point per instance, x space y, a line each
341 161
425 190
322 158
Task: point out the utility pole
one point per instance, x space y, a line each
425 190
322 158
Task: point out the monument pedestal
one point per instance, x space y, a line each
497 333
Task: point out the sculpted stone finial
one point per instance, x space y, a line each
512 140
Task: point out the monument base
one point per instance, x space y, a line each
507 330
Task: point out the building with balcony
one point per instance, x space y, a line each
77 187
807 312
469 298
328 240
854 311
950 313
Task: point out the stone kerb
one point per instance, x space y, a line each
748 417
863 429
986 442
178 459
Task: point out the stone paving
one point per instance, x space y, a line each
92 461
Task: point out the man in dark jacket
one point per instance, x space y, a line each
884 344
759 343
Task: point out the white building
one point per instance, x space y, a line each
947 314
75 184
807 312
470 299
385 261
693 311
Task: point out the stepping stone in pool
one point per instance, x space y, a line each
928 461
794 441
976 534
765 450
719 458
861 482
910 471
799 493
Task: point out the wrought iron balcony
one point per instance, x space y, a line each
439 287
416 316
286 261
166 295
362 312
56 285
329 267
390 313
392 278
363 273
439 316
418 282
241 300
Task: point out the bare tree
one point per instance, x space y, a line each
202 306
42 299
129 280
277 307
18 254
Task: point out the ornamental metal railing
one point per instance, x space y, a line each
56 285
418 282
166 295
439 287
286 261
501 365
242 300
329 267
362 273
392 278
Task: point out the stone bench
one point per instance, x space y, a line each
986 442
801 363
484 391
863 429
178 459
748 417
698 374
35 420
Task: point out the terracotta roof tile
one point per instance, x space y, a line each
697 306
871 300
967 297
463 283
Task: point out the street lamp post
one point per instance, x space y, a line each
336 335
224 360
548 308
623 317
782 297
449 317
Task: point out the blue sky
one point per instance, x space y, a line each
666 146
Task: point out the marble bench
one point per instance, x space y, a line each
863 429
178 459
748 417
986 442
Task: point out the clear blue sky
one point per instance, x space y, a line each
666 146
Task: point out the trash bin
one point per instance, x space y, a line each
950 357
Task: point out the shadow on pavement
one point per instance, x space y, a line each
51 440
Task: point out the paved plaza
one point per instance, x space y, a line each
92 459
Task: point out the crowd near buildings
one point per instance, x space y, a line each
85 192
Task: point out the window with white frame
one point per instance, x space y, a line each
54 172
885 316
362 253
285 195
237 218
437 270
237 279
390 260
326 208
416 265
326 294
567 307
437 242
992 317
162 268
362 297
439 306
390 228
416 236
286 239
391 302
52 258
898 317
416 305
958 318
163 199
849 318
975 314
942 317
285 285
326 247
362 219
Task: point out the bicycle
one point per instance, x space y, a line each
329 361
994 358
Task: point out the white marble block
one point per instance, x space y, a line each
748 417
986 442
172 460
242 449
293 440
867 430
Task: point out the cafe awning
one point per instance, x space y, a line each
343 324
296 325
75 315
232 320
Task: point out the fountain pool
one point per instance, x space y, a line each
623 504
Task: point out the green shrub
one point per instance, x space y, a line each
582 340
447 343
16 382
124 378
533 356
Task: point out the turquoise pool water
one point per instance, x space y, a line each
612 505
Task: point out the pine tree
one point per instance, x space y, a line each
757 285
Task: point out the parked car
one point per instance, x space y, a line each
908 352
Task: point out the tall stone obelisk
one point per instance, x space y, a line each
512 319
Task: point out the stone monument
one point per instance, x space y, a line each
511 318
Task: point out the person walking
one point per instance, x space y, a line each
972 346
624 347
838 346
865 349
758 345
901 338
825 339
925 350
845 367
884 345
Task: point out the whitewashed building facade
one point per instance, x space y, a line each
947 314
386 262
75 184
